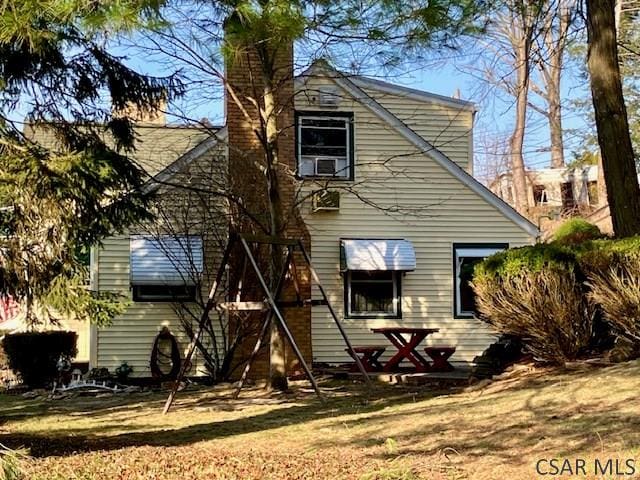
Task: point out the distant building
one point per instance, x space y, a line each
555 193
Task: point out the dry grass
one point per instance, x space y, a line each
397 433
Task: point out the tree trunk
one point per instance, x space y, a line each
557 25
277 359
623 192
555 121
557 144
516 142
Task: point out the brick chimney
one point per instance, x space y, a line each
244 77
148 117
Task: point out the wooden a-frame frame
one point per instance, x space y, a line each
271 305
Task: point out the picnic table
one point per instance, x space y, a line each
407 348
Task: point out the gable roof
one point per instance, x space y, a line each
156 146
160 145
423 145
185 160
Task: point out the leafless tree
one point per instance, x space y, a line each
201 42
193 204
549 58
522 53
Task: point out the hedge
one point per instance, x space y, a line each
34 355
563 298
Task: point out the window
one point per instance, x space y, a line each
372 293
164 293
325 146
165 268
592 189
466 256
568 200
540 195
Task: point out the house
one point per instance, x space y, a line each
399 220
555 193
158 146
561 189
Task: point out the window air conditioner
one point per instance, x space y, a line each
326 166
326 201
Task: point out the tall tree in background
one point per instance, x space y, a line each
623 192
55 201
549 59
523 18
506 62
523 55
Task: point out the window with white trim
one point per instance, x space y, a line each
466 257
325 146
373 293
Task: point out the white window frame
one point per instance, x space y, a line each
468 252
395 277
347 174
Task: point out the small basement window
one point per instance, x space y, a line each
373 294
466 256
325 146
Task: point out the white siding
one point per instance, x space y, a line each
391 174
131 335
447 129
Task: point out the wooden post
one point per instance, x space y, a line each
316 279
211 301
280 318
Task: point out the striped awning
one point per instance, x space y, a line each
165 260
377 254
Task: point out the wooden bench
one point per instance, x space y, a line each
440 355
369 357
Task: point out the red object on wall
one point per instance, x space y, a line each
9 308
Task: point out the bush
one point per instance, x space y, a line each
34 355
537 293
613 275
600 255
576 231
11 463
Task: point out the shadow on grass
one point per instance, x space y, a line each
512 422
546 412
96 436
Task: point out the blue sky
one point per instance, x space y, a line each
444 77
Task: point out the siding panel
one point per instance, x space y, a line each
435 210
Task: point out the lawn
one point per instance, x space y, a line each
497 431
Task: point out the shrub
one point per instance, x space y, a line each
34 355
575 231
600 255
537 293
613 275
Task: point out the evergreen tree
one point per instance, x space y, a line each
62 195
